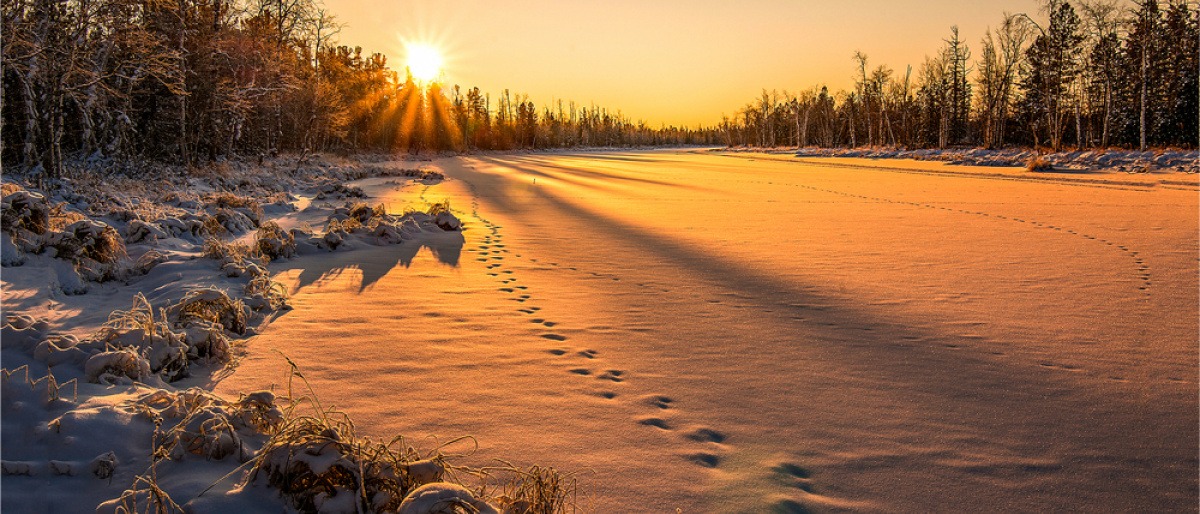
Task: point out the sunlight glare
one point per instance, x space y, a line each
424 61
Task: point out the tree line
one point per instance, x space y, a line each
186 81
1084 74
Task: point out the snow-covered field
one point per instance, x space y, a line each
1126 161
713 332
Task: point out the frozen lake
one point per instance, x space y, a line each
751 332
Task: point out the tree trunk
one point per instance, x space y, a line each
29 148
1107 112
1079 120
1142 120
804 128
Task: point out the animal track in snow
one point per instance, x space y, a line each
614 375
1143 272
655 422
658 400
706 459
706 435
794 475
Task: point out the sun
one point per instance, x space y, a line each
424 61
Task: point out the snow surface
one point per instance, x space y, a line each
85 392
713 332
721 332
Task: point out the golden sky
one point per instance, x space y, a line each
666 61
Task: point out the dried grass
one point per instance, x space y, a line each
213 306
60 217
87 239
346 225
314 457
273 293
1039 163
272 242
24 210
212 226
439 207
52 385
534 490
226 252
226 200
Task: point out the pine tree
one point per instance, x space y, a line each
1053 68
1178 122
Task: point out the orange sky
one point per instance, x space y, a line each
667 61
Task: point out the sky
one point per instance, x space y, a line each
674 62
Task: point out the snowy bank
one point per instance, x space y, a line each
126 298
1116 160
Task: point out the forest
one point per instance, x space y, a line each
1091 74
191 81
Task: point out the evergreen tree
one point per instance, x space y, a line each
1053 68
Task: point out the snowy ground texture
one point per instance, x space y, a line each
694 330
126 301
1114 160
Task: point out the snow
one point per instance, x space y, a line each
95 388
1115 160
711 332
441 497
748 332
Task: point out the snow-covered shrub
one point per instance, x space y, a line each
205 340
225 252
409 229
337 190
211 305
240 269
1039 163
539 489
274 243
22 210
444 497
343 224
10 253
208 432
389 233
61 217
234 221
318 464
88 239
258 410
424 174
60 349
116 366
365 213
147 262
333 238
248 207
447 221
182 199
104 465
189 226
264 293
139 231
442 217
138 329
